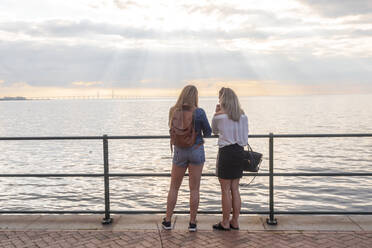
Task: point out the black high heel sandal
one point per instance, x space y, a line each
220 227
233 228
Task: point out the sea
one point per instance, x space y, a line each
315 114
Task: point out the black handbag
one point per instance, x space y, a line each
251 160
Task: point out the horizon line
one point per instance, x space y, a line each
107 97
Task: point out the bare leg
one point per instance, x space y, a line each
195 172
226 201
176 180
236 202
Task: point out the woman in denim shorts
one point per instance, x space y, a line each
191 158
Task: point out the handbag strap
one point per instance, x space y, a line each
249 147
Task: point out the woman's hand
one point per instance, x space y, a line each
219 110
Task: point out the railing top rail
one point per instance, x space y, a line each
339 135
262 174
54 138
320 135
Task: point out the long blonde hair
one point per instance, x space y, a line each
230 103
188 97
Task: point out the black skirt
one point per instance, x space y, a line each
230 162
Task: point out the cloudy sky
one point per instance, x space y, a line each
146 47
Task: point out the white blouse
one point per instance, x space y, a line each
230 132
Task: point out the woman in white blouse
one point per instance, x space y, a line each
231 124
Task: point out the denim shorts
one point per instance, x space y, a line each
193 155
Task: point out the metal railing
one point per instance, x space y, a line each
106 175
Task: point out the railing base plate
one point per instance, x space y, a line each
271 222
107 221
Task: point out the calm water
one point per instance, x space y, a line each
305 114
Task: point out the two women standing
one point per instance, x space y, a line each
231 124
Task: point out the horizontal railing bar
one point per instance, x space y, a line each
186 174
244 174
97 137
179 212
326 174
183 212
324 212
51 175
322 135
113 175
167 136
52 212
92 137
54 138
140 137
258 136
247 212
168 174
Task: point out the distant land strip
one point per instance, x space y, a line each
22 98
10 98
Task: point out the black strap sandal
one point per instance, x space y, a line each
220 227
233 228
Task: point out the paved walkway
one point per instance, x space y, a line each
145 231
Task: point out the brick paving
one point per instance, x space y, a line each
205 239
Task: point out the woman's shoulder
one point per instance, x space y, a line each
219 116
200 114
243 118
199 111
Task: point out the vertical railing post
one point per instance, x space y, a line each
106 178
271 220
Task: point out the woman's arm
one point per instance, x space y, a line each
170 116
215 125
219 111
206 128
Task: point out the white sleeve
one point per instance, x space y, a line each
215 125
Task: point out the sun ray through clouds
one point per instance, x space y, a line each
141 47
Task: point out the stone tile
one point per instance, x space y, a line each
65 239
138 222
70 222
17 222
251 223
365 222
312 223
